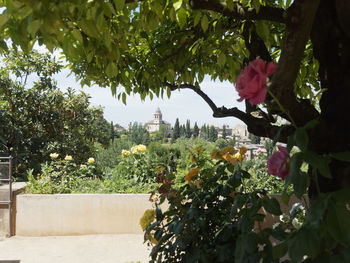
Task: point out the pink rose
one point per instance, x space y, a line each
251 83
276 165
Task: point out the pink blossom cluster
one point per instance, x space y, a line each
277 164
251 83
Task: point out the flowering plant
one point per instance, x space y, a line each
210 217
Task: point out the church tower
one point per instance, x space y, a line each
158 116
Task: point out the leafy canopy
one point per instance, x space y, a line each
142 45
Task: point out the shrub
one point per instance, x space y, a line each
62 176
209 219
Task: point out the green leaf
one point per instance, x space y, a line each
181 16
271 205
119 4
300 184
317 210
77 35
89 28
111 70
305 241
301 139
204 23
280 250
341 156
124 98
319 162
221 59
197 18
256 5
177 4
338 218
294 168
3 19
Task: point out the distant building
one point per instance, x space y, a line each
154 125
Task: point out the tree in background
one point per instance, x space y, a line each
182 131
195 130
112 131
213 134
39 120
203 134
176 131
224 133
136 132
160 135
254 139
188 129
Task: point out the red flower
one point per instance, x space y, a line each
251 83
276 165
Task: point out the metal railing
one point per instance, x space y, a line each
6 186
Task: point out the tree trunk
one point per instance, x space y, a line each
330 37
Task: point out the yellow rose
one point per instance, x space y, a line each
216 154
240 155
229 158
54 155
148 216
191 174
125 153
229 149
68 158
134 150
141 148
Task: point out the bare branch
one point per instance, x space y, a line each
241 12
256 125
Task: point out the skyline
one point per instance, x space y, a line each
184 104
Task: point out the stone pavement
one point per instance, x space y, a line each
75 249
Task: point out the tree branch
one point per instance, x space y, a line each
299 23
256 125
241 12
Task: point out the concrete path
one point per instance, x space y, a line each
75 249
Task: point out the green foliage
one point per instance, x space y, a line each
209 219
36 121
136 133
136 165
62 176
221 143
110 156
213 134
259 178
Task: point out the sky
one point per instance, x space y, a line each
184 104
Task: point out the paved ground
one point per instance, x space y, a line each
75 249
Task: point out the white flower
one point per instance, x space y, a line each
83 166
68 158
54 155
91 160
296 223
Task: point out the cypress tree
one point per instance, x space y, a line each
195 130
188 129
176 131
